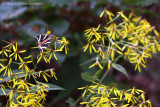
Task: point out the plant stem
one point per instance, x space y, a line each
77 101
105 74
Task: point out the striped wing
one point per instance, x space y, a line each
43 41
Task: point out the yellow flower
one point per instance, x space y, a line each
89 33
90 46
33 73
143 96
2 87
115 91
44 74
64 44
107 13
103 38
138 66
31 99
121 13
109 64
10 94
4 51
16 52
23 84
134 90
101 53
23 64
7 68
42 55
97 64
149 103
112 29
30 56
52 53
155 32
107 97
55 39
87 88
53 73
10 44
41 88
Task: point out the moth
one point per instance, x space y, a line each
43 41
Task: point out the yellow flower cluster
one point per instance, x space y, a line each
104 96
22 92
132 38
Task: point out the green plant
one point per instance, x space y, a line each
16 73
132 39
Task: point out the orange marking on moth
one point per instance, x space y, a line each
43 42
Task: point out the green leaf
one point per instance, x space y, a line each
60 26
6 78
51 87
87 76
149 12
27 31
139 2
61 58
121 69
11 11
71 102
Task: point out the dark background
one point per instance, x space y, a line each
69 18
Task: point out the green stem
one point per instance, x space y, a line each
99 72
99 81
105 74
113 19
35 79
77 101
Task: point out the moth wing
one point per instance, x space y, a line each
37 38
43 47
41 38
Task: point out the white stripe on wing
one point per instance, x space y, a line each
45 36
39 38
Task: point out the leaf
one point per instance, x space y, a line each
121 69
71 102
139 2
6 78
149 12
61 57
11 11
60 26
51 87
87 76
27 28
7 91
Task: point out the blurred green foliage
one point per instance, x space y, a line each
67 18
